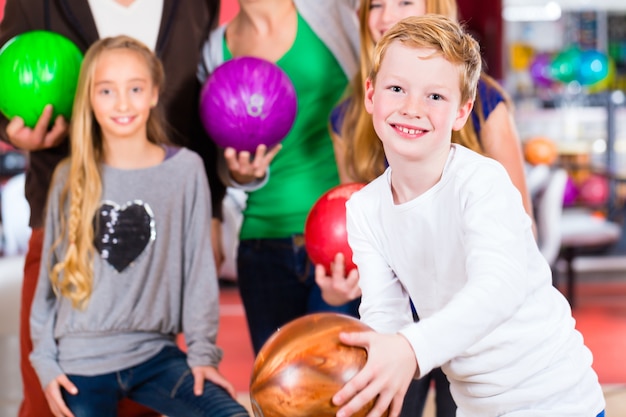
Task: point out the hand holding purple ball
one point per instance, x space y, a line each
247 102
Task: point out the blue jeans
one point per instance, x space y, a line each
163 383
276 281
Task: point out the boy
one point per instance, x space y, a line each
446 228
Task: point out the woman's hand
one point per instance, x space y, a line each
245 168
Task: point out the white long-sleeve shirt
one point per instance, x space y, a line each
464 252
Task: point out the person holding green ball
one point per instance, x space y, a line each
38 68
175 30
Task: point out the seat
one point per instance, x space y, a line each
15 212
582 232
11 273
536 178
232 207
566 233
547 198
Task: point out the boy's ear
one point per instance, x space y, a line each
369 94
462 115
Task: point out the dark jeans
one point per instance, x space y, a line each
34 403
276 281
164 383
415 398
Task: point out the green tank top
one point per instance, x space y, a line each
305 167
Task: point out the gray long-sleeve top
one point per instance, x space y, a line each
154 275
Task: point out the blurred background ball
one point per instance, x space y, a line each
247 102
303 364
565 65
570 195
540 70
606 82
38 68
594 67
540 150
325 233
594 190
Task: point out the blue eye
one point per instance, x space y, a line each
395 89
436 97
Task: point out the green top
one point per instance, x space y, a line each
305 167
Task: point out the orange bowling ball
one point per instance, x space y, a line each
303 364
540 150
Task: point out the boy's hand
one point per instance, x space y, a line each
210 373
338 289
390 367
244 168
54 397
39 137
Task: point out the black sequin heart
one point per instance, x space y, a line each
123 232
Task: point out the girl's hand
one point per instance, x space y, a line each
39 137
244 168
210 373
338 288
390 367
54 397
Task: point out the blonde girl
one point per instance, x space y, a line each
127 256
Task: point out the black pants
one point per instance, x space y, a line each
415 398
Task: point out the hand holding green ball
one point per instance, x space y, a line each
38 68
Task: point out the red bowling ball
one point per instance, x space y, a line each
325 232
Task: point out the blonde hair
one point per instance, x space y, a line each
365 158
446 37
72 276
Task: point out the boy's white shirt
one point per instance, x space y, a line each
464 252
141 19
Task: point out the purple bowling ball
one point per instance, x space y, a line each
247 102
540 70
570 195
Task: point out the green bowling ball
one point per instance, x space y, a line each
38 68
